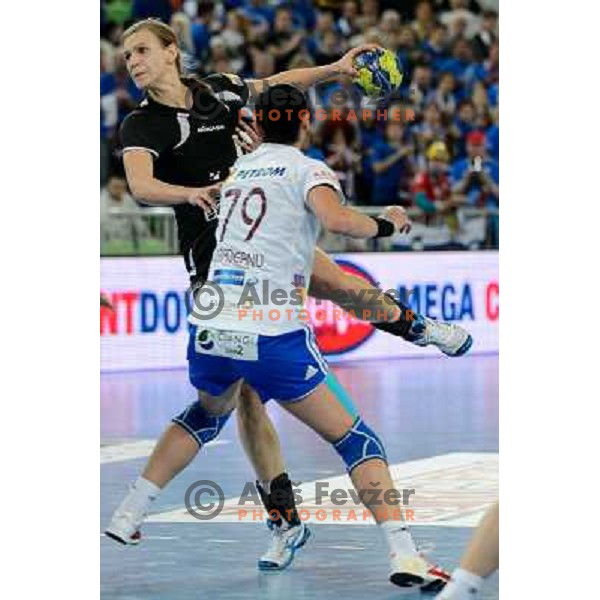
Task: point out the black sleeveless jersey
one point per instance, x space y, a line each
192 148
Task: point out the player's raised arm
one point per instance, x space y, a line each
325 203
313 75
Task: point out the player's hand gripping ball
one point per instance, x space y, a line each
379 73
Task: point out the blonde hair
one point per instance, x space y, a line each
166 36
180 23
108 54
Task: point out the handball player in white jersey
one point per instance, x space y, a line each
168 163
272 207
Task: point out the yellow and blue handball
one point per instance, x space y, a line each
379 73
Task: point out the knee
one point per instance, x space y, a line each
359 444
201 424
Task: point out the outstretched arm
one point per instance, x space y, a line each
326 205
313 75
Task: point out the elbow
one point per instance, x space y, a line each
139 190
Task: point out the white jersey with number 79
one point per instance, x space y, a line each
266 240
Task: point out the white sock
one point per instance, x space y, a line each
464 585
140 497
398 537
266 485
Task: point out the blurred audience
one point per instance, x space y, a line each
477 178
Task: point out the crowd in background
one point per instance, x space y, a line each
439 158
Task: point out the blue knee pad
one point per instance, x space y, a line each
358 445
200 424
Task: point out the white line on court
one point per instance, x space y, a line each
450 490
138 449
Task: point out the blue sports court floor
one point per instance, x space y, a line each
438 418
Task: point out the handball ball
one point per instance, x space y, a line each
379 73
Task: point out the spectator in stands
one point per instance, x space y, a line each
120 215
444 95
217 58
460 20
462 126
481 105
262 61
329 49
477 178
311 145
369 15
221 53
491 67
182 27
487 34
436 46
410 52
128 95
390 21
421 86
461 64
431 189
389 163
234 36
424 20
430 129
108 107
325 22
202 28
284 42
348 23
341 144
370 136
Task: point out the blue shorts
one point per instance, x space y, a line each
284 367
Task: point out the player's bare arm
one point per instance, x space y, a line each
325 203
149 190
313 75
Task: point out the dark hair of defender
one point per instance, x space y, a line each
279 111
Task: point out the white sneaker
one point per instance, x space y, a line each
124 529
451 339
283 545
126 522
416 571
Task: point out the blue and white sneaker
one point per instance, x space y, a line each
282 548
451 339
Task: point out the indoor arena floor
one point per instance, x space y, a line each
438 418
